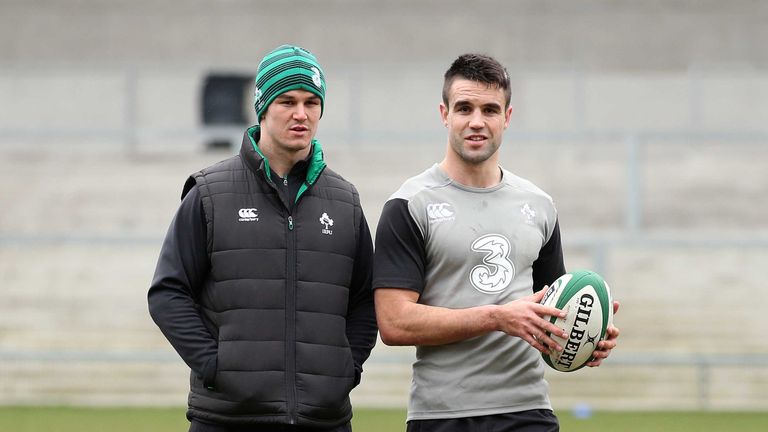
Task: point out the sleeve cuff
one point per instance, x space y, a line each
358 375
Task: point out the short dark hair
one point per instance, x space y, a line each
480 68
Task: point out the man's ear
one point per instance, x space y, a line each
444 114
507 116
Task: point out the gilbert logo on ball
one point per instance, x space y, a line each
586 298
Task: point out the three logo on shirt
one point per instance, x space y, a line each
496 270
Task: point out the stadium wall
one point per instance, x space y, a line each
644 120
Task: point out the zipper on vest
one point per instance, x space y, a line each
290 323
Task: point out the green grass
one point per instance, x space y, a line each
697 421
60 419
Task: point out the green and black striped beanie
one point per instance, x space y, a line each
284 69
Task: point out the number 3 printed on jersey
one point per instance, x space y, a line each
496 271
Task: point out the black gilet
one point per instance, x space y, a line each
277 294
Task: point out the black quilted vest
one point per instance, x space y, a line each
276 297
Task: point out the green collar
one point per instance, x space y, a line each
316 162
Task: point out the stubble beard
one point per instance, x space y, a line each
473 158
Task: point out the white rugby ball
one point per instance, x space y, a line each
586 298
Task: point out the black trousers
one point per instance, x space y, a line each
198 426
523 421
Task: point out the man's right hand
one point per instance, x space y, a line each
527 319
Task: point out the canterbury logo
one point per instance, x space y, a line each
248 215
439 212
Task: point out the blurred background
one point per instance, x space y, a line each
646 122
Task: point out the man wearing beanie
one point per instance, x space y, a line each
263 284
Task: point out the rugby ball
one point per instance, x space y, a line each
586 298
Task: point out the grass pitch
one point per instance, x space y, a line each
66 419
